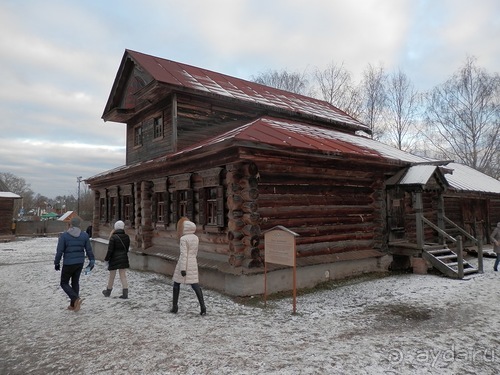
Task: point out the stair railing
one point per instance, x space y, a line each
477 241
439 230
459 243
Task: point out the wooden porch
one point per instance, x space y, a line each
447 253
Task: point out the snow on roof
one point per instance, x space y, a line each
178 74
6 194
65 215
465 178
418 174
291 133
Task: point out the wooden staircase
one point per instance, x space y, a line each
446 261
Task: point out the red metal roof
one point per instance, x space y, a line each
288 133
178 74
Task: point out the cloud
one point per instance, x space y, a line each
60 58
50 167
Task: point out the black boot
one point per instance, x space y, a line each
107 292
175 307
124 294
199 294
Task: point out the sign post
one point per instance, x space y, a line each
280 248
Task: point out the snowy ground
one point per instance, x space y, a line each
400 324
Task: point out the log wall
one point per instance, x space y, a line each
333 209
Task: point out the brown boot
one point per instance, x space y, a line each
78 304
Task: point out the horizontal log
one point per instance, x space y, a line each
251 218
235 187
249 194
249 207
278 167
248 183
234 202
321 230
318 188
235 225
251 241
235 214
296 179
300 240
234 176
238 247
314 211
324 248
235 235
314 221
269 200
251 230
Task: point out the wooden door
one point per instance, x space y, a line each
475 218
396 214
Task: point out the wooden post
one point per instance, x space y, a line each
294 278
419 223
480 266
280 248
265 284
479 236
460 259
440 217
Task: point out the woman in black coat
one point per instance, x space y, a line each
117 256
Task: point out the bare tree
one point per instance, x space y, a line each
402 108
465 113
373 98
336 87
288 81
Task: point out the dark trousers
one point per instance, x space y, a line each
195 286
497 261
71 273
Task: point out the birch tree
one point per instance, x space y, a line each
464 111
337 88
402 108
373 99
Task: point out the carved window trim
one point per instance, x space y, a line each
212 202
103 205
161 203
182 197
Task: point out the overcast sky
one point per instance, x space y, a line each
59 60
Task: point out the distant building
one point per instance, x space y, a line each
68 215
7 215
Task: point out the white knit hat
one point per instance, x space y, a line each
119 225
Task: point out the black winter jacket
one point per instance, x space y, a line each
118 246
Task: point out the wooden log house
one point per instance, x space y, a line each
239 158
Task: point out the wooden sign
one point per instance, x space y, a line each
279 246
